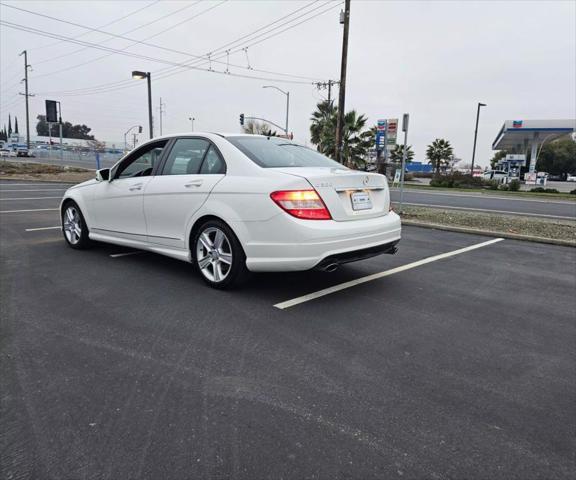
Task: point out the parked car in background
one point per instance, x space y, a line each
230 204
23 152
571 178
4 153
495 175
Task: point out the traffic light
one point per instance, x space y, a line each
242 119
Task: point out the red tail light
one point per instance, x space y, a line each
305 204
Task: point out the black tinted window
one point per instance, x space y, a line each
270 152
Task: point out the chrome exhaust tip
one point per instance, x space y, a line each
331 267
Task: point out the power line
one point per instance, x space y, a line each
72 67
175 70
134 12
135 55
197 57
114 86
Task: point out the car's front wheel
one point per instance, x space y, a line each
74 226
219 255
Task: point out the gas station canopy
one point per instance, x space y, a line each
521 136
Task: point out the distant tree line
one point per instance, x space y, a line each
81 132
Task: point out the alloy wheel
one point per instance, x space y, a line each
72 225
214 254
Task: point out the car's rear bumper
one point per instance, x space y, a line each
285 243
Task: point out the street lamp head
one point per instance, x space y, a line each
481 104
139 75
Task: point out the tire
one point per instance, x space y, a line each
218 255
74 227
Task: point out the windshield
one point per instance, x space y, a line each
270 152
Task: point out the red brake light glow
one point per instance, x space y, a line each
305 204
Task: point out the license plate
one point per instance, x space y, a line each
361 201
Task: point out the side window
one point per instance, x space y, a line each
143 163
213 163
186 156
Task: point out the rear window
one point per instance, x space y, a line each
271 152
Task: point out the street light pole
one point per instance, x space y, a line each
192 122
141 76
287 103
475 137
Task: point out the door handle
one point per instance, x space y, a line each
194 183
138 186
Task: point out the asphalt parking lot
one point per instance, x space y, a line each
119 366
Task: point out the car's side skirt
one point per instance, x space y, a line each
177 253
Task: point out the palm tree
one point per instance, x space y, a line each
356 141
439 153
323 126
396 153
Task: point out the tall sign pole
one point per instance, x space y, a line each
60 123
405 120
342 92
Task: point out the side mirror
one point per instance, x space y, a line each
103 174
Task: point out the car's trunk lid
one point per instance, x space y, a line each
348 194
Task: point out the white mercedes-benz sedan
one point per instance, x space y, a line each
233 204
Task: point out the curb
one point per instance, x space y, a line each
488 233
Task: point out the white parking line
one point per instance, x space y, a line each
29 198
376 276
36 190
116 255
34 185
42 228
469 209
36 210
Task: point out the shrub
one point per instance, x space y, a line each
456 180
573 192
537 190
514 185
551 190
503 187
492 184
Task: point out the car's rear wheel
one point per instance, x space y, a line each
219 256
74 226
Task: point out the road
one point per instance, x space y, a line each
535 207
118 364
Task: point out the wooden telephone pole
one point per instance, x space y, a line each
342 92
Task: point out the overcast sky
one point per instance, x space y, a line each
433 59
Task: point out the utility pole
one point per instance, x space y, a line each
342 96
475 136
26 95
328 85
